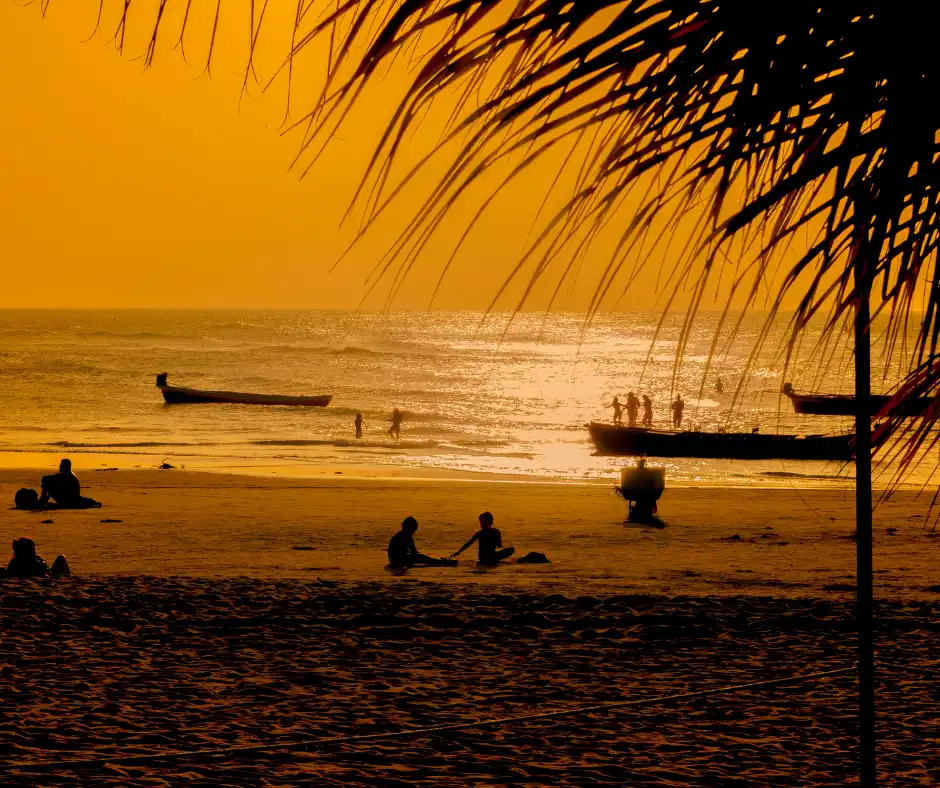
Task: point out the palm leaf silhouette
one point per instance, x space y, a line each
758 126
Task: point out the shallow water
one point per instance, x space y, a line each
480 394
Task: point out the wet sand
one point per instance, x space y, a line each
193 623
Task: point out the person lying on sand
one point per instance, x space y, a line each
26 563
490 540
64 488
402 552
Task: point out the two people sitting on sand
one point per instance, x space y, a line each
62 488
26 562
403 554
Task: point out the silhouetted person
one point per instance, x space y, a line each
647 411
618 410
719 387
62 487
402 552
633 407
26 563
358 425
490 540
677 407
395 429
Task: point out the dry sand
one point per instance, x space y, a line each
194 623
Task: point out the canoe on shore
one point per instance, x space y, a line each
618 441
179 395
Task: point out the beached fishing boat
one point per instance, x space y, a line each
178 395
621 441
844 404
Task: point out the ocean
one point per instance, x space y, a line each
481 394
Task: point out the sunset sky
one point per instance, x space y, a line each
126 187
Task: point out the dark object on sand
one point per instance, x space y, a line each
179 395
844 404
165 466
641 488
616 441
534 558
112 521
26 498
301 547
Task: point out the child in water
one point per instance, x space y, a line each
490 542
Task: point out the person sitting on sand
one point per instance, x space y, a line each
26 563
402 553
490 542
62 487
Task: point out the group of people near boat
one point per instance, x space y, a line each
632 407
403 554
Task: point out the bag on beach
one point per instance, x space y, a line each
534 558
26 498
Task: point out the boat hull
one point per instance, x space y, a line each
180 395
618 441
844 405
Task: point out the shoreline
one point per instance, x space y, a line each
99 462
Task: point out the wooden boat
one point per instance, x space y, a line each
178 395
844 404
613 440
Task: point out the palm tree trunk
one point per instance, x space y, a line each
864 609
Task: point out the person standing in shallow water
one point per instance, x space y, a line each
618 410
358 423
677 407
647 411
395 429
490 542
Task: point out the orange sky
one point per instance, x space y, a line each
125 187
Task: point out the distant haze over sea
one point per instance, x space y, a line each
478 396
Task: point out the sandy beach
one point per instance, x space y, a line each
192 621
724 541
